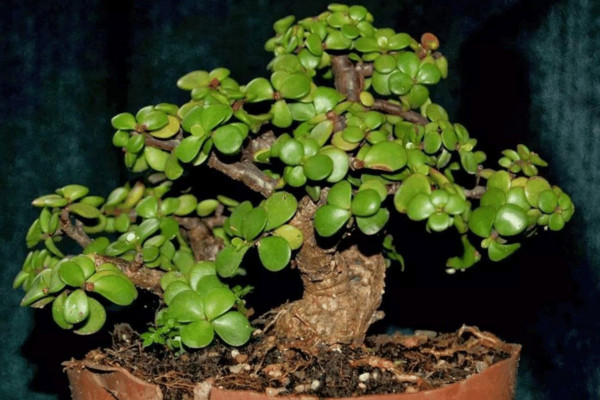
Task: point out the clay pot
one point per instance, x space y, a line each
97 382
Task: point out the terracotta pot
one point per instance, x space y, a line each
97 382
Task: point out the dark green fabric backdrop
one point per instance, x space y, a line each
521 71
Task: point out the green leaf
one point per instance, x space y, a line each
432 142
274 252
280 208
217 302
399 41
386 156
400 83
516 196
325 99
259 89
71 274
533 188
199 271
116 196
253 223
208 283
235 220
173 289
147 208
228 139
124 121
193 79
408 62
50 200
147 228
318 167
481 221
295 86
291 152
470 256
282 116
293 235
229 259
322 132
336 40
74 192
556 222
510 220
373 224
341 163
84 210
188 148
34 234
156 158
439 221
366 45
76 308
385 63
58 311
206 207
187 306
153 120
420 207
498 252
172 168
116 288
499 180
330 219
215 115
38 288
95 319
120 138
233 327
429 74
97 245
365 203
302 111
468 161
197 334
169 130
380 83
417 96
493 197
340 195
413 185
281 25
187 204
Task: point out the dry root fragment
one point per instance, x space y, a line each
486 338
390 366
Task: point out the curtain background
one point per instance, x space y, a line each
520 71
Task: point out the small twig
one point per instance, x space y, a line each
168 145
347 80
245 172
198 232
396 109
476 193
143 278
76 231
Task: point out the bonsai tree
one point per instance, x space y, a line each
341 135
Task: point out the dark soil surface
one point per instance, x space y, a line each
385 364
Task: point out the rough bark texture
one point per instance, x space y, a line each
198 232
342 291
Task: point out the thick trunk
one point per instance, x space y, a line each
342 291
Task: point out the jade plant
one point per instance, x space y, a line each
342 135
